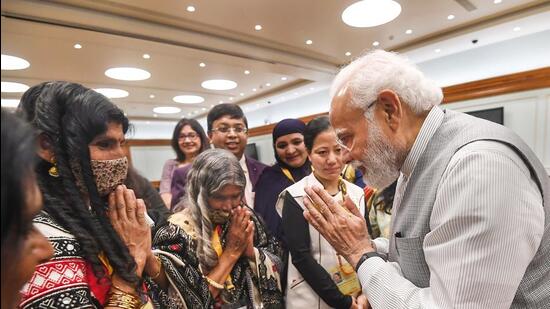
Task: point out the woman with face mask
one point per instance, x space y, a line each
314 264
97 226
292 165
236 261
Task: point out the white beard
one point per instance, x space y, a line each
381 161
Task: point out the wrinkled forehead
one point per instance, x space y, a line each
343 114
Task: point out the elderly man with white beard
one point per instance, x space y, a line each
471 225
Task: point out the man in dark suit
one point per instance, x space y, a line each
227 129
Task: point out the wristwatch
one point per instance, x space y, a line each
367 255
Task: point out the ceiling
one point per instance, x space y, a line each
221 34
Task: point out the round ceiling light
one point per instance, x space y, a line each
127 73
367 13
166 110
219 84
14 87
188 99
10 103
112 93
14 63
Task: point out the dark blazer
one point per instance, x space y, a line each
179 179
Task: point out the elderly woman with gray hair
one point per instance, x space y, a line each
231 259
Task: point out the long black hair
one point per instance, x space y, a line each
69 116
18 162
195 125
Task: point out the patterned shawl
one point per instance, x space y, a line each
256 283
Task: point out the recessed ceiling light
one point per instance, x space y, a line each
309 42
126 114
258 27
451 17
14 87
151 96
497 1
221 102
10 103
190 8
219 84
246 72
268 84
375 43
202 64
146 56
231 99
371 13
77 46
284 78
517 28
409 31
126 73
188 99
155 115
211 105
437 50
253 89
166 110
14 63
348 54
241 94
112 93
204 108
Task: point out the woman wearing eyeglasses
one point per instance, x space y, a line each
188 140
317 276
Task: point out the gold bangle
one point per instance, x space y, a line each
214 283
116 287
160 268
123 300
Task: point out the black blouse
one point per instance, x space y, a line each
295 230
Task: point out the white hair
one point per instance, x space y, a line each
377 70
211 171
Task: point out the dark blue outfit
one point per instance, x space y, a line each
272 181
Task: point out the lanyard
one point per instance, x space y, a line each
342 188
288 174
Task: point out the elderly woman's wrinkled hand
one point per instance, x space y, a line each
239 231
342 225
127 216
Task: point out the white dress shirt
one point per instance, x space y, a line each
486 225
248 193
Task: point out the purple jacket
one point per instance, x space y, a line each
179 179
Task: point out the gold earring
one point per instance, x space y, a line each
53 170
